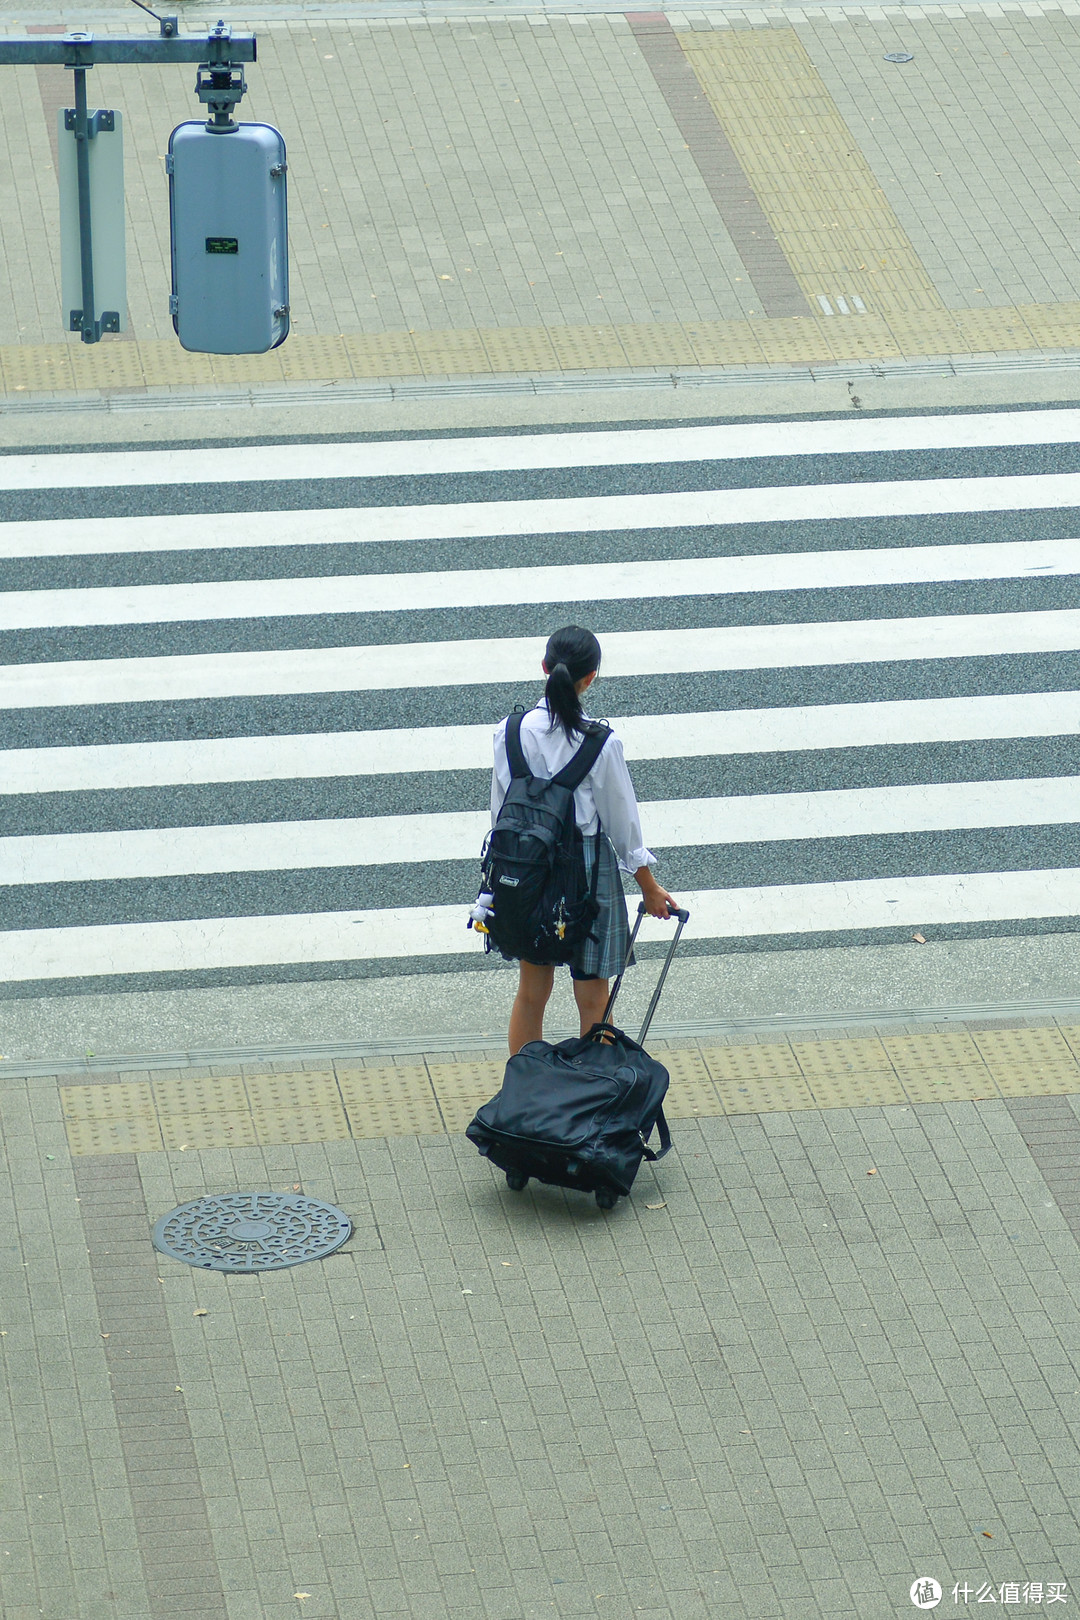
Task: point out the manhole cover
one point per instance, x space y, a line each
899 56
251 1231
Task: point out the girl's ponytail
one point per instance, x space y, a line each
571 654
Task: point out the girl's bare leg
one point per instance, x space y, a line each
591 996
533 994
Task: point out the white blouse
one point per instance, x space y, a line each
606 797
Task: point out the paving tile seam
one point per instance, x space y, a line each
260 1107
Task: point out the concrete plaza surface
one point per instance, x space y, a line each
829 1346
573 194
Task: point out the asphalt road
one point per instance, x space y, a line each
921 600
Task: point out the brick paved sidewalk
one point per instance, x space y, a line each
825 1348
544 193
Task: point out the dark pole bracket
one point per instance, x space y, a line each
99 119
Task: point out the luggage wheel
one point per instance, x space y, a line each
605 1198
516 1181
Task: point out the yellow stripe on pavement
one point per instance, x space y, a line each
431 1097
65 368
830 215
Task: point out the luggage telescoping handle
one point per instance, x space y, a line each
684 918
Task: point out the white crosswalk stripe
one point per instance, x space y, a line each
178 801
496 587
270 846
465 748
465 663
462 520
519 451
438 931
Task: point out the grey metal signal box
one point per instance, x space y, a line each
230 266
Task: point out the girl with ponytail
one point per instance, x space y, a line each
606 811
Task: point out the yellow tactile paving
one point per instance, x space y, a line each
387 354
304 1106
587 348
928 331
1033 1047
1053 326
451 352
692 1089
36 368
316 359
830 216
125 1100
944 1084
1030 1062
874 1088
931 1050
303 1088
519 348
111 365
993 328
59 368
765 1095
185 1114
837 1058
1046 1080
462 1087
221 1094
390 1102
210 1130
325 1124
751 1062
667 345
138 1133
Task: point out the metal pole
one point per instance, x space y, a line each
90 332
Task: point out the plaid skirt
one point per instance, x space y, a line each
603 956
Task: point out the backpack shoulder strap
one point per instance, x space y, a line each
515 754
577 769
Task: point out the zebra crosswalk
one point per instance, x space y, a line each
248 694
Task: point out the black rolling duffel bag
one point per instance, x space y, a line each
579 1114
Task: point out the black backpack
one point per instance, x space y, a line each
533 860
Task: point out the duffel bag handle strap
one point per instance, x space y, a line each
661 1125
